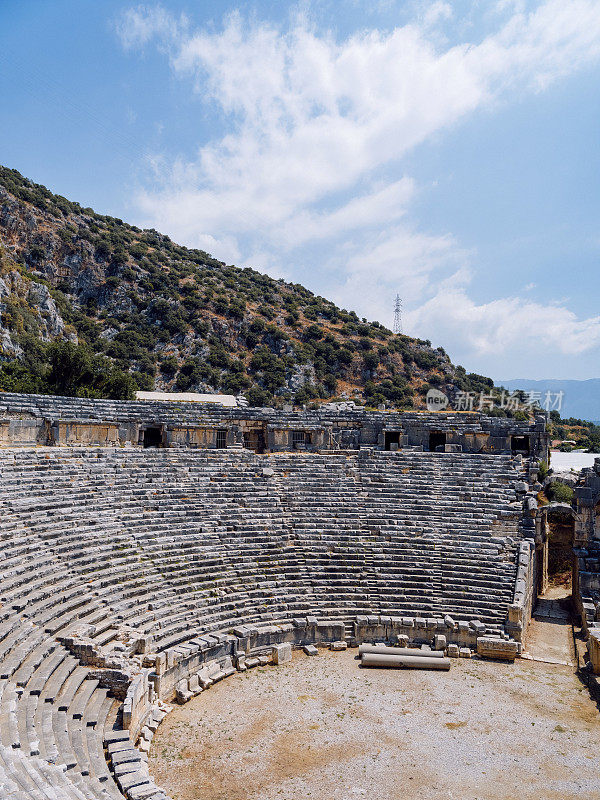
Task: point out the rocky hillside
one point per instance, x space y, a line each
92 306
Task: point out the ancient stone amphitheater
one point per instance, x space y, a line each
131 576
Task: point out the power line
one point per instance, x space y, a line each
398 315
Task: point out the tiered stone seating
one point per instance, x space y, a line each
51 732
450 527
429 526
174 544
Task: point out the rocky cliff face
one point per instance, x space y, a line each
24 293
32 236
175 318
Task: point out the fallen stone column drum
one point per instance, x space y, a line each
384 650
404 662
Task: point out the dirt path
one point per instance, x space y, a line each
550 633
323 728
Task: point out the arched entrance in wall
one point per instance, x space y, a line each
519 445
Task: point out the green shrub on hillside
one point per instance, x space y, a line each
560 493
137 292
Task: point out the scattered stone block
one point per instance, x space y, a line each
161 663
478 627
240 660
117 736
464 652
339 646
146 733
439 642
226 667
182 693
282 653
492 647
117 747
204 678
152 724
310 650
453 650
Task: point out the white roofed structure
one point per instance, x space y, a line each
228 400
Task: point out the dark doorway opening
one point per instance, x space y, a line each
391 440
437 441
519 444
561 533
221 439
255 440
556 568
300 440
152 437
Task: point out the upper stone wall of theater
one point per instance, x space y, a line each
28 420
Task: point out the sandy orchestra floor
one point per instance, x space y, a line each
321 727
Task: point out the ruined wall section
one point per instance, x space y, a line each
27 420
586 577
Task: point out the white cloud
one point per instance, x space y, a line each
505 334
377 208
138 26
316 131
399 260
532 50
310 117
437 12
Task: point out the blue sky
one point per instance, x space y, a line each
445 151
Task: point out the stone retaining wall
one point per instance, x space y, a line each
49 420
519 612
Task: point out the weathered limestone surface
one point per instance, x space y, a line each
593 644
129 577
282 653
492 647
520 610
586 573
47 420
